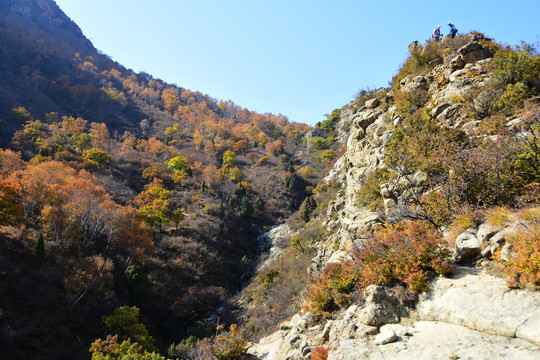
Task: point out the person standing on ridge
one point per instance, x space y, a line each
453 30
436 33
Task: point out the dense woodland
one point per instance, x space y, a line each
130 208
121 189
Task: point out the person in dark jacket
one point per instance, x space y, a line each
453 30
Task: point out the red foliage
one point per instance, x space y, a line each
320 353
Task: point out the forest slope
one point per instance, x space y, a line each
121 189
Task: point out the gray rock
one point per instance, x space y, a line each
381 307
473 52
457 63
506 252
372 103
439 109
486 231
467 246
385 337
468 48
436 62
414 47
451 115
483 303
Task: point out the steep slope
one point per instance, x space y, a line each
117 189
440 150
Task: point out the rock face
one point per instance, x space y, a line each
471 315
484 303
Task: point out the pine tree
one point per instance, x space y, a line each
137 284
307 208
40 252
259 203
245 208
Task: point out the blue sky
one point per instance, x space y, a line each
298 58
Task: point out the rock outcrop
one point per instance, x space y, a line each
471 314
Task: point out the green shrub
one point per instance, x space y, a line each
407 102
513 98
225 346
330 123
321 143
326 155
331 290
517 65
97 157
124 322
214 209
111 349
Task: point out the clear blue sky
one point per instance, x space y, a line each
298 58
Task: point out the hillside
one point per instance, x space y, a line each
424 243
140 218
121 189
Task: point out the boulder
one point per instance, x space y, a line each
418 83
385 337
372 103
467 246
381 307
436 62
506 252
457 63
486 231
473 52
439 109
414 47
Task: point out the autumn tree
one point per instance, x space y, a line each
170 99
275 148
177 163
152 172
21 115
112 349
154 205
178 216
9 207
97 157
90 273
180 165
134 236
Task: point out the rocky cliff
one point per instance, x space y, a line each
470 314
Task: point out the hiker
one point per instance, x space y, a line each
436 33
453 30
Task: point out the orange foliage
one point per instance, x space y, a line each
9 208
275 148
100 136
71 126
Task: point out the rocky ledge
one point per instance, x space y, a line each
471 315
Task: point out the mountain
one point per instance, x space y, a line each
138 217
425 237
120 189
